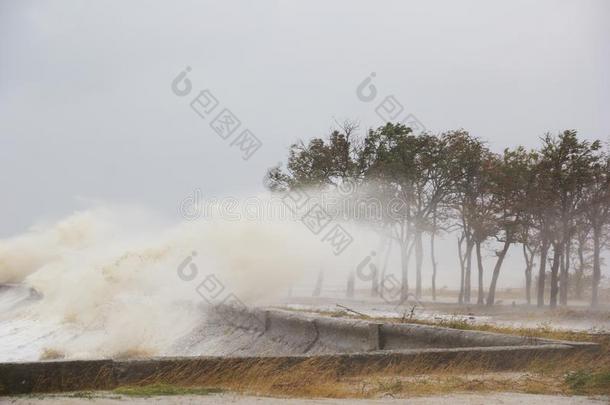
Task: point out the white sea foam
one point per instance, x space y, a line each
105 281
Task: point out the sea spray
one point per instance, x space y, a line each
107 283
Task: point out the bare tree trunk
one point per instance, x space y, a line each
557 254
382 284
580 271
467 278
375 283
491 296
433 258
404 263
528 285
481 292
375 271
544 251
596 266
462 268
384 268
529 264
419 258
351 281
565 267
319 281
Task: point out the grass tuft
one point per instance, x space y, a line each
51 354
587 382
155 390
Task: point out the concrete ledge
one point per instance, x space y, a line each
292 329
395 336
341 336
355 346
54 376
344 335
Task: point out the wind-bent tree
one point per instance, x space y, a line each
565 165
483 213
554 201
432 184
529 234
512 181
415 169
320 165
388 159
583 231
540 219
465 155
440 224
597 213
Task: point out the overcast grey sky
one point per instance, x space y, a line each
87 113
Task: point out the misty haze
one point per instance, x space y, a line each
305 202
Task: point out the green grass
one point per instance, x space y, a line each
394 386
584 381
163 389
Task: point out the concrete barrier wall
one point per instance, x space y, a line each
299 333
399 336
58 376
356 345
52 376
341 336
306 333
325 334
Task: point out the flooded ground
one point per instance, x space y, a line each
24 339
27 338
509 313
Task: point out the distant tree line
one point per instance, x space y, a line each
553 202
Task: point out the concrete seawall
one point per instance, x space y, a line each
316 334
350 346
